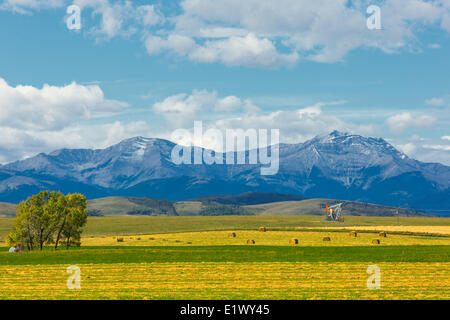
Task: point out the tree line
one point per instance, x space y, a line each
49 218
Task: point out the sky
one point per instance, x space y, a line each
147 68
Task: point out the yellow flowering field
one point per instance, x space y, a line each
275 238
227 280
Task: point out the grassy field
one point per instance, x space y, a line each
277 238
200 280
194 258
224 272
161 224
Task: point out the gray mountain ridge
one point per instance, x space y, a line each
336 165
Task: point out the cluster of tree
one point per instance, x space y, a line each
216 209
49 218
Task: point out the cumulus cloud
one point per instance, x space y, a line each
260 33
247 50
182 109
34 120
425 149
52 107
243 51
400 122
322 30
229 103
120 18
408 148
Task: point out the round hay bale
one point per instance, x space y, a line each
382 234
232 234
250 241
151 238
293 241
262 229
376 241
326 239
119 239
353 234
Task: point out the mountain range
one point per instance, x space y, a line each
337 165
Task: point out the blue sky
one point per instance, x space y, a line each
148 67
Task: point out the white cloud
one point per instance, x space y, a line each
435 102
260 33
248 50
52 107
437 147
408 148
120 18
400 122
243 51
182 109
425 149
446 138
34 120
27 6
229 103
321 30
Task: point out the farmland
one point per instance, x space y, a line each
195 258
148 225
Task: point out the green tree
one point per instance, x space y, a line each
75 218
44 214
